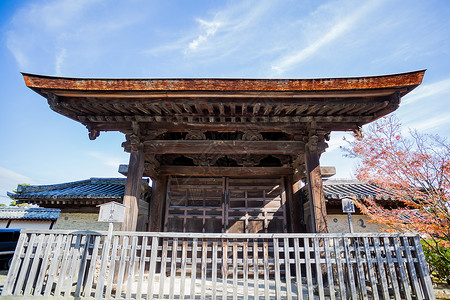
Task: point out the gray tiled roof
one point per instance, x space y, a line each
337 189
29 213
94 188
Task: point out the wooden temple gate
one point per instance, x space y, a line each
225 130
226 157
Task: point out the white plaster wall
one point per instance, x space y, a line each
29 224
3 223
338 223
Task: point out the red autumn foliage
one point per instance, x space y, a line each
415 170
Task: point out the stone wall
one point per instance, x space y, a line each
338 223
81 221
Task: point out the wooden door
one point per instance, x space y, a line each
255 205
195 204
223 204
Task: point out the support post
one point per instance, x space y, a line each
295 205
156 214
350 224
133 190
315 190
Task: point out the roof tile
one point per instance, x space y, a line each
94 188
29 213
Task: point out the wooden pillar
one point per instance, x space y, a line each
133 190
295 206
156 213
315 190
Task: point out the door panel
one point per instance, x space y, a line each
194 204
255 205
234 205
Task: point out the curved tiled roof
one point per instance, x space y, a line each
29 213
338 189
94 188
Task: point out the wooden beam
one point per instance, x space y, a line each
149 171
223 94
133 190
222 147
315 190
200 118
225 171
187 108
325 172
176 108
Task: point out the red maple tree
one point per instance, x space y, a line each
413 169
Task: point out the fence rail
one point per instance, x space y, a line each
64 264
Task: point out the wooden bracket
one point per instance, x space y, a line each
252 135
93 132
135 142
204 159
313 143
316 139
136 128
195 135
154 134
395 99
53 100
358 133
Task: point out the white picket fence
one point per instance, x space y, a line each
147 265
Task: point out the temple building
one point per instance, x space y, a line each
78 201
225 155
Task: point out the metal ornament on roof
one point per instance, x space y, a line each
111 212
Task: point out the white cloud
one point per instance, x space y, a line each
337 30
221 34
210 29
57 14
45 37
427 91
32 24
9 181
109 161
10 177
336 143
430 123
60 61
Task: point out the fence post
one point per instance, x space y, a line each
423 270
353 263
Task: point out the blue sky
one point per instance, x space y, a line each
244 39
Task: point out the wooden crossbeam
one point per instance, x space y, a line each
225 171
223 147
200 118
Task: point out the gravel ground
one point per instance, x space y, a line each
442 291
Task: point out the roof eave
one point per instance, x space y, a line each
407 80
